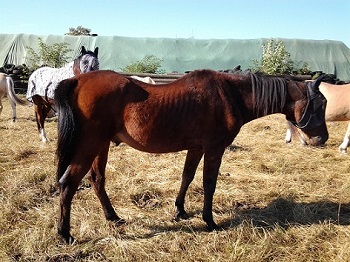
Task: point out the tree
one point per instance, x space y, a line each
149 64
55 55
276 60
78 31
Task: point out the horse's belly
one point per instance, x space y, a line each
150 145
337 112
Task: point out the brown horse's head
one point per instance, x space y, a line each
86 62
309 115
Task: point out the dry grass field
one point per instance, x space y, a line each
274 201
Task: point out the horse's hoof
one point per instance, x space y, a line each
181 215
119 221
69 240
212 227
343 151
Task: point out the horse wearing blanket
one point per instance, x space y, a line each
43 82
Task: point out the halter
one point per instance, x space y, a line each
314 113
86 62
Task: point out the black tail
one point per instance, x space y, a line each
67 127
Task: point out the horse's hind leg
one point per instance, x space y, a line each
41 110
69 183
97 179
192 160
344 145
13 106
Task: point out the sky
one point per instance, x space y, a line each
202 19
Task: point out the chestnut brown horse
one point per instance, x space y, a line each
202 112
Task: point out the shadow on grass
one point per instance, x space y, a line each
280 212
286 212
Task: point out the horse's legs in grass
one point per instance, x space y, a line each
192 160
69 183
289 132
344 145
97 179
13 106
1 105
41 110
212 162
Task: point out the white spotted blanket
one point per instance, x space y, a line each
44 80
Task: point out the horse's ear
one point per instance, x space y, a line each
96 51
83 50
317 82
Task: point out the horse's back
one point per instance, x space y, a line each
44 80
338 101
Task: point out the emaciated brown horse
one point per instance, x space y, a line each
201 112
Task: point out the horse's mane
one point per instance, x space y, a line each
269 93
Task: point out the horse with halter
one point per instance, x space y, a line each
337 109
7 88
202 112
43 82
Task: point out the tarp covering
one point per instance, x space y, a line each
115 52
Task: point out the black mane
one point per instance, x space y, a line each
269 93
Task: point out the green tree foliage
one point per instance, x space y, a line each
78 31
55 55
276 60
149 64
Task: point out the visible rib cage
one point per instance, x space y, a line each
269 94
202 113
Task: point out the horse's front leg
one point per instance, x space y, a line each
0 105
192 160
289 133
212 162
97 179
344 145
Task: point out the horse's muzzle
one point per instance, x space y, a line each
318 140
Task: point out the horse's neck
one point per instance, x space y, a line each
67 70
68 66
262 96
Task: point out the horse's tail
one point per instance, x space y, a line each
67 126
11 92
